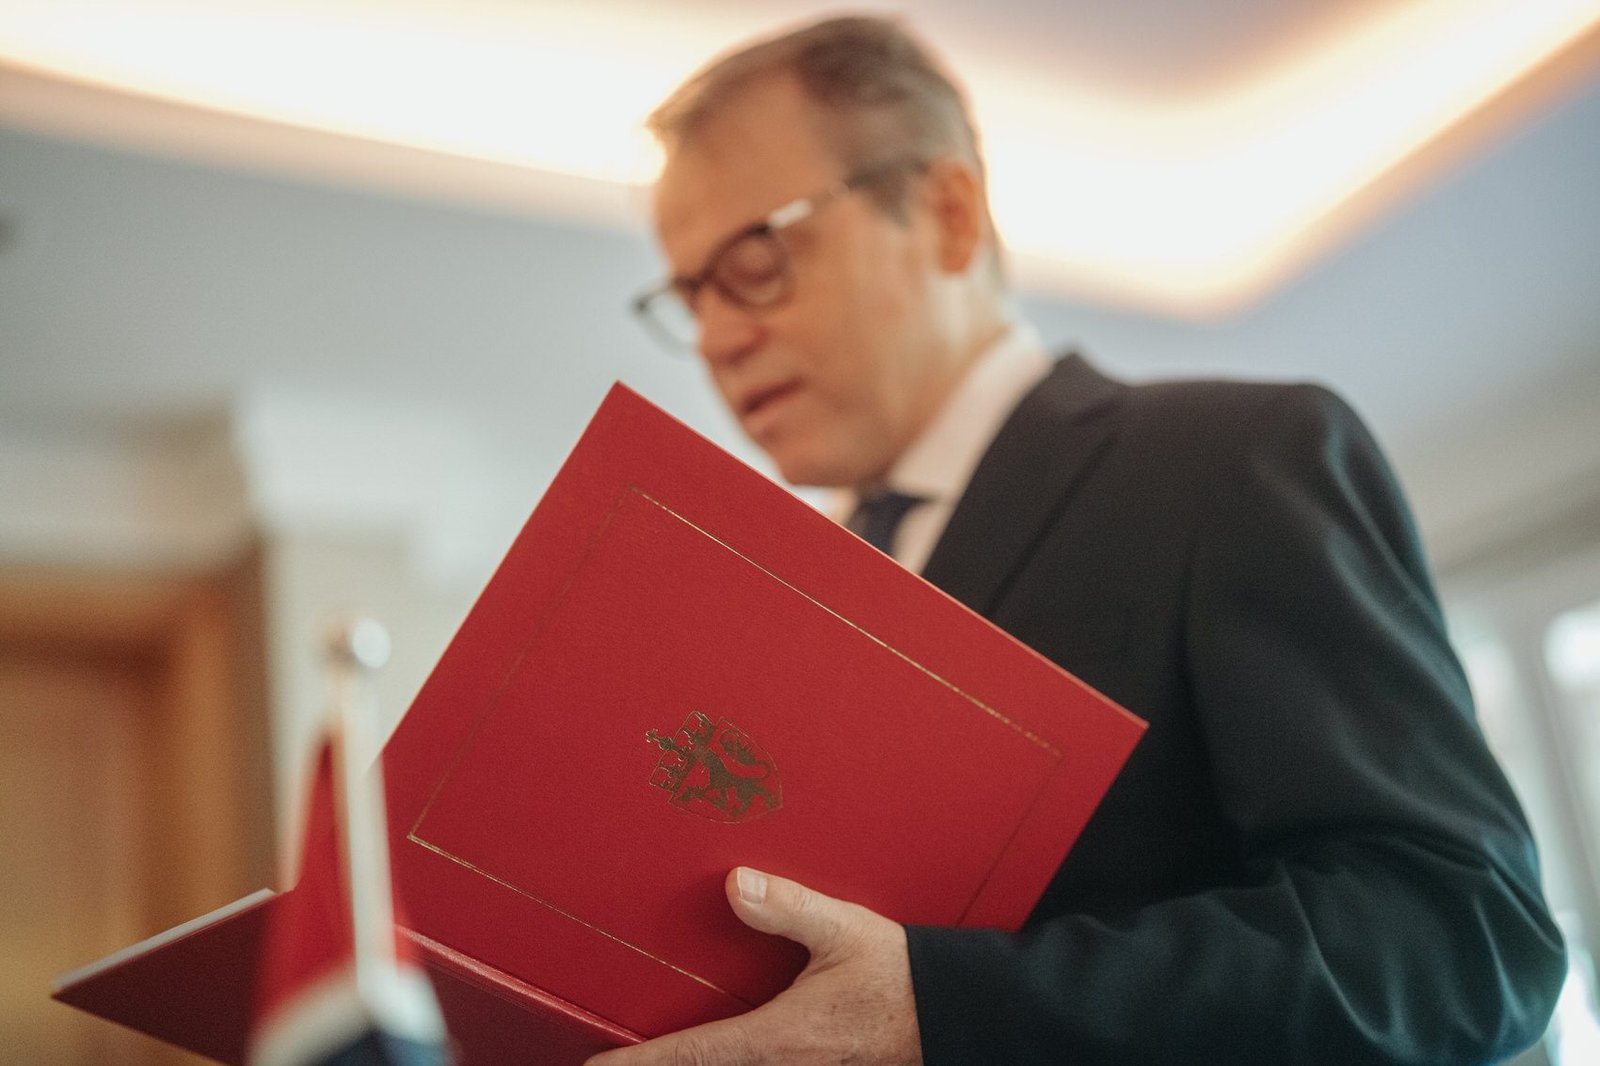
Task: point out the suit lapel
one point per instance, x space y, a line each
1023 481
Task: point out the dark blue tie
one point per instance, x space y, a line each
878 515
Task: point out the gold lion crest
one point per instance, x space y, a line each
715 770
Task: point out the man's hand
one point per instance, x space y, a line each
852 1003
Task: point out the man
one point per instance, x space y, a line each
1311 857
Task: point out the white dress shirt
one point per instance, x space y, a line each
941 460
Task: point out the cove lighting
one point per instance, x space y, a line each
1194 205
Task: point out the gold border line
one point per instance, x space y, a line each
480 871
1033 737
505 679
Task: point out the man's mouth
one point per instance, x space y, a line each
762 399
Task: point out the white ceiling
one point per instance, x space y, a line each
142 290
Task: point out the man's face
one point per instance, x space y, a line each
836 381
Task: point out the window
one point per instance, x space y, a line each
1531 648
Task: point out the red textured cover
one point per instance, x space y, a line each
680 667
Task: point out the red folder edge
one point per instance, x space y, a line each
188 986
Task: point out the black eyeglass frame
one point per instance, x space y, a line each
687 287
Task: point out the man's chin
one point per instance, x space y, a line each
804 476
807 470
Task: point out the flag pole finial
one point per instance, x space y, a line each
356 641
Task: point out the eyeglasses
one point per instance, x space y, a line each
751 268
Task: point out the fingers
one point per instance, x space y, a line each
787 908
853 1003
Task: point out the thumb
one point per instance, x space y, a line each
822 924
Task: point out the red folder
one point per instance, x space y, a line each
679 668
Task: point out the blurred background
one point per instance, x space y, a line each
302 305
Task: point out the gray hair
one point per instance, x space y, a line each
879 91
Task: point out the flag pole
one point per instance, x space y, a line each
355 649
337 983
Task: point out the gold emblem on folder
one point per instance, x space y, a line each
715 770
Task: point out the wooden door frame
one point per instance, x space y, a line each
209 750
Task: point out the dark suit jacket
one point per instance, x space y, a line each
1311 856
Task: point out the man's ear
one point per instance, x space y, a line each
954 196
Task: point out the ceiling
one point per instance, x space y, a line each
157 265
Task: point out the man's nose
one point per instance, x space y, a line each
728 331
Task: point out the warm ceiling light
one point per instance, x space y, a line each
557 89
1197 204
1200 205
